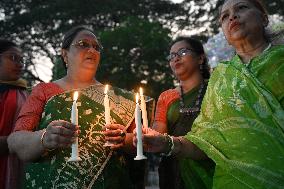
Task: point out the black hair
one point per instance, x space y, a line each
6 44
198 49
69 36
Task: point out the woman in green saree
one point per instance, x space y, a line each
241 124
176 110
44 134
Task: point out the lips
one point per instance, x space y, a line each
233 25
91 58
177 65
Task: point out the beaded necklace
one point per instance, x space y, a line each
196 108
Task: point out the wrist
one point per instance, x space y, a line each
45 148
169 142
177 145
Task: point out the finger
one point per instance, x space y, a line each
58 141
69 125
59 130
148 138
63 123
116 146
113 133
117 139
114 126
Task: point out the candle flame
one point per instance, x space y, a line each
137 97
106 89
141 91
75 96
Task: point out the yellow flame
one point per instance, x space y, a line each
106 89
75 96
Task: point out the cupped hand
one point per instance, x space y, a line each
115 134
153 141
60 134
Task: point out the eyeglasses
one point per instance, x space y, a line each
84 44
13 57
180 53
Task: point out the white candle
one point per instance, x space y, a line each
74 110
139 148
74 120
143 108
106 105
107 111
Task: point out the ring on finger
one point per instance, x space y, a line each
122 133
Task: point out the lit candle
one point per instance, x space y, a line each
107 111
74 120
106 105
143 108
139 148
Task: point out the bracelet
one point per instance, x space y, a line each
41 141
171 145
180 146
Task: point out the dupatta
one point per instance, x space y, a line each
241 124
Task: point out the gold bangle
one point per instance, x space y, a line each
41 141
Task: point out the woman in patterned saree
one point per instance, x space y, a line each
176 110
241 124
44 134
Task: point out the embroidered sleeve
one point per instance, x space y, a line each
31 111
165 99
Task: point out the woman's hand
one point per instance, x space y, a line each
115 134
153 141
59 134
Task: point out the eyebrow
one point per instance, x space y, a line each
233 7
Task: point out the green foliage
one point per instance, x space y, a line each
134 53
135 33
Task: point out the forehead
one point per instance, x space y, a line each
231 3
85 35
179 45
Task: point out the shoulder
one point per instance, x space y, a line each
169 94
46 90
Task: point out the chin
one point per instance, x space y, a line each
91 67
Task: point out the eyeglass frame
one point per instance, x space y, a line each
99 49
14 59
171 56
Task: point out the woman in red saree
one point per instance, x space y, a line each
12 96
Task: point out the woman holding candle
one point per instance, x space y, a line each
44 134
241 123
13 94
176 110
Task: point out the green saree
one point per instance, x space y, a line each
184 173
241 122
100 167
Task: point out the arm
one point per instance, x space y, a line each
31 145
185 148
159 143
160 121
26 144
